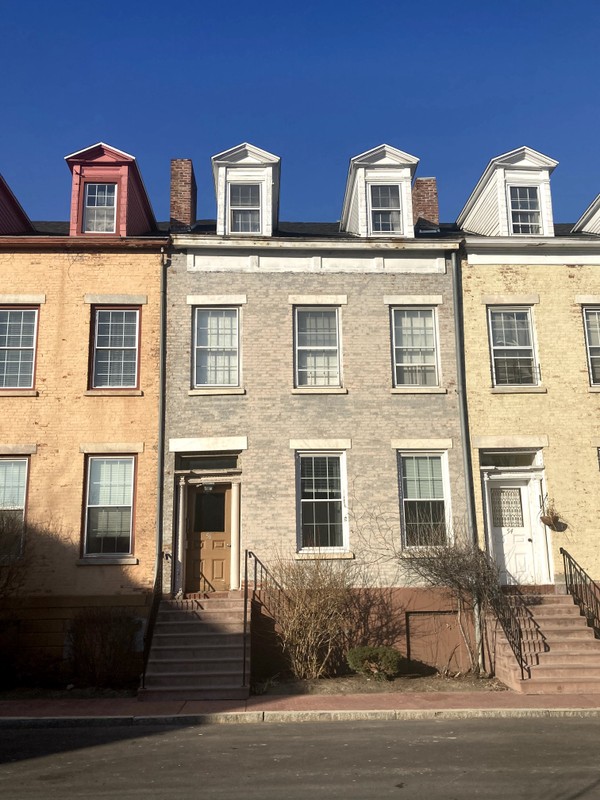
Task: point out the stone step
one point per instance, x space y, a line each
199 652
212 616
205 666
572 658
192 693
553 632
196 680
557 686
200 637
547 612
224 603
192 626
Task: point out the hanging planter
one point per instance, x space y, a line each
551 518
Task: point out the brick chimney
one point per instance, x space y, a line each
426 212
183 195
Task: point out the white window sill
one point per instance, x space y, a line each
319 390
213 390
103 561
320 555
519 390
419 390
113 393
19 393
593 389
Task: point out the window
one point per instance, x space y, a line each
100 206
244 207
17 347
317 347
109 506
385 209
424 511
414 347
525 210
592 339
513 357
13 483
322 501
115 357
216 347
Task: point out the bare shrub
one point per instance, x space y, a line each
384 663
102 642
472 580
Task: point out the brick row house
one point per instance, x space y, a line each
79 387
348 392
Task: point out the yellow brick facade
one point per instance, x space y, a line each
566 409
60 420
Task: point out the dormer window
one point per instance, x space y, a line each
525 210
100 207
385 208
244 207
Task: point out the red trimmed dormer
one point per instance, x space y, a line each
108 197
13 220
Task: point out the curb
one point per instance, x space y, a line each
257 717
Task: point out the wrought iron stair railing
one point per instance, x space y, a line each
157 594
584 590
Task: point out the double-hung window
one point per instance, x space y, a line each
216 347
115 348
513 354
244 207
317 335
424 499
525 215
100 208
592 340
385 208
13 485
322 501
414 345
18 327
109 505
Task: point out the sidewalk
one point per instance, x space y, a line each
296 708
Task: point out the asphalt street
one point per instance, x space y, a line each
537 759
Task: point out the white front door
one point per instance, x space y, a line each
518 538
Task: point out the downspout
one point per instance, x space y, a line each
461 391
164 263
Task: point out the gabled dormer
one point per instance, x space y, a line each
378 199
590 219
13 220
247 189
108 196
512 197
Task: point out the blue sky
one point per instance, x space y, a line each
315 82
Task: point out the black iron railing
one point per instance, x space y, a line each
259 585
583 590
509 620
156 598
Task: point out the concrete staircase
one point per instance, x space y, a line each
562 651
197 650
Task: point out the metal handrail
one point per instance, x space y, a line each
584 590
156 598
508 618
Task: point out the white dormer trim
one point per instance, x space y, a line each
589 221
381 166
247 166
488 210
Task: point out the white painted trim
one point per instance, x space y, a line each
421 444
320 444
18 449
100 448
413 299
504 442
22 299
318 299
116 299
510 299
588 299
208 444
204 241
216 299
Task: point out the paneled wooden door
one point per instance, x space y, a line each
208 557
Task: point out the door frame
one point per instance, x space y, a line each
542 567
188 485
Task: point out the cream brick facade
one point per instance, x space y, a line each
63 421
562 414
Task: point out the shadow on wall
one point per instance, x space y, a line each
51 640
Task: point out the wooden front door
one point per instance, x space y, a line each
208 556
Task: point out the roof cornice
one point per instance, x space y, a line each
528 244
195 241
82 243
